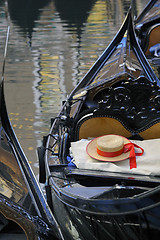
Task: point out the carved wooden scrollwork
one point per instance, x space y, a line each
136 103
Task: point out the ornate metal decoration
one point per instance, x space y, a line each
134 102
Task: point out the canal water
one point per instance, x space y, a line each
52 44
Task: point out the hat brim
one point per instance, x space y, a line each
92 152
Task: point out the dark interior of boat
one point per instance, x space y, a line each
10 230
130 108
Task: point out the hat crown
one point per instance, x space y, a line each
114 144
110 143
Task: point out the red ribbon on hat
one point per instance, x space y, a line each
132 155
126 148
110 154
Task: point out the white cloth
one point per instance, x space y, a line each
147 164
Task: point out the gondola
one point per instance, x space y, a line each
24 212
147 26
94 199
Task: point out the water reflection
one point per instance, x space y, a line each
74 14
25 14
66 41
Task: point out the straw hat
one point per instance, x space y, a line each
108 148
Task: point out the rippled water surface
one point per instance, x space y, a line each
51 47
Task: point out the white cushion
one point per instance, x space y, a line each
147 164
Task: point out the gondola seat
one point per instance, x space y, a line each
91 126
152 38
130 109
